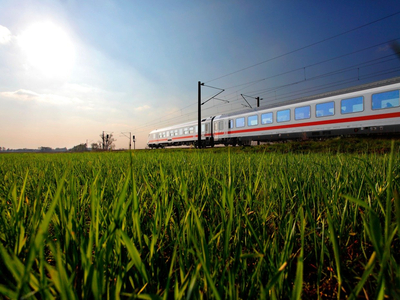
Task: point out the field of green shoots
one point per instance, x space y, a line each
200 225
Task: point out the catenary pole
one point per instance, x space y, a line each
199 116
199 108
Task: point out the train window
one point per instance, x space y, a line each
196 129
180 131
176 132
352 105
240 122
325 109
303 112
191 130
385 100
283 115
203 127
230 124
266 118
186 130
252 120
221 126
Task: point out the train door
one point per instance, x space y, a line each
219 130
203 130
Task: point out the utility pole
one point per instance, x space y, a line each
199 108
199 84
130 138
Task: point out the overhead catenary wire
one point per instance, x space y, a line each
274 89
296 94
304 47
335 72
251 83
314 64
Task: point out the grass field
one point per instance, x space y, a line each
200 224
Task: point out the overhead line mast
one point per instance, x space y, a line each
199 115
199 104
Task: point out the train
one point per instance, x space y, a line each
367 109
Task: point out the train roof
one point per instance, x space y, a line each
352 89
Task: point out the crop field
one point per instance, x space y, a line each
200 225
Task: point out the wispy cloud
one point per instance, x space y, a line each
27 95
5 35
142 108
21 94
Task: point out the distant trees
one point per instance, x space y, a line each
79 148
107 141
45 149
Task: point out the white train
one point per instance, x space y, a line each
363 110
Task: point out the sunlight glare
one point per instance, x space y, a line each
48 49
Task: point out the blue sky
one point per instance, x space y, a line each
72 69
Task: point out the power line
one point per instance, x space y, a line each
364 64
343 70
350 68
263 91
251 83
305 47
291 96
276 99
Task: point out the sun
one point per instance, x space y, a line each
48 49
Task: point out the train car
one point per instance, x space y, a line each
185 134
363 110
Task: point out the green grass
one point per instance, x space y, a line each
197 224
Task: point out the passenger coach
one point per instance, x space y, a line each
368 109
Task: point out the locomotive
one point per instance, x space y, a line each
368 109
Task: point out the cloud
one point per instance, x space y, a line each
82 88
21 95
5 35
142 108
27 95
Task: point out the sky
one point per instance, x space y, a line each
71 69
